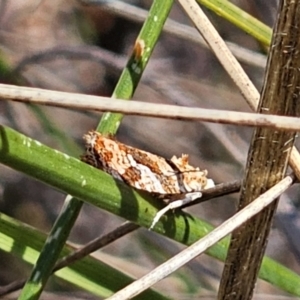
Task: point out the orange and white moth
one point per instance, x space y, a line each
173 179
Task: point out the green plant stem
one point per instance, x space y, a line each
108 124
25 241
82 181
135 67
240 18
52 248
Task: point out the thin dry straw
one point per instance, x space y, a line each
202 245
86 102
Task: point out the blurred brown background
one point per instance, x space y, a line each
70 46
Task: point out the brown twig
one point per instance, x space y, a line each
127 227
80 253
268 155
219 190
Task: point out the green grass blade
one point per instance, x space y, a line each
82 181
130 77
88 274
52 249
135 67
240 18
109 124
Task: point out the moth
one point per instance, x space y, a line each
142 170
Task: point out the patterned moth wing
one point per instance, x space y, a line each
143 170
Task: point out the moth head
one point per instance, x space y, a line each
90 156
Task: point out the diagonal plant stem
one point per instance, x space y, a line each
133 71
230 64
81 180
80 253
240 18
19 238
96 244
202 245
223 8
221 51
188 33
268 155
109 124
127 227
